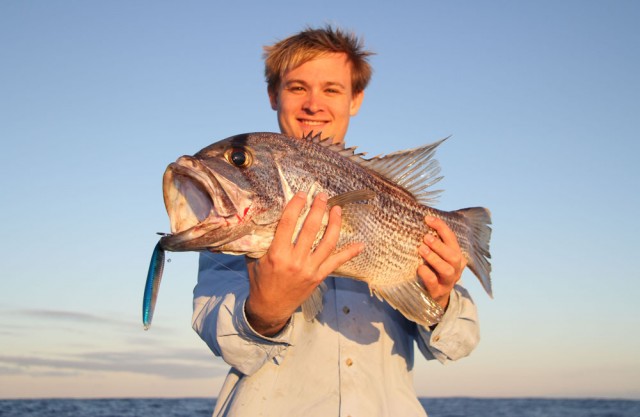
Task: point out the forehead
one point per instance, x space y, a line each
328 68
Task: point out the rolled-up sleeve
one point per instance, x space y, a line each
457 334
219 319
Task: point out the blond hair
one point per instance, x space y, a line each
309 44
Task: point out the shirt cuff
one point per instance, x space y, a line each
457 333
283 337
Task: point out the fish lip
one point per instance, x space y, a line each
191 191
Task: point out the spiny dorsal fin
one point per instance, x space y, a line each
415 169
338 147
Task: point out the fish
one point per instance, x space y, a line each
229 197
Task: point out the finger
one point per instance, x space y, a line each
440 248
439 265
429 279
288 220
331 235
443 230
447 247
437 291
312 224
445 271
336 260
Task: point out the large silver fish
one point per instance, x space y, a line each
229 198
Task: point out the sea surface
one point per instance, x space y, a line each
436 407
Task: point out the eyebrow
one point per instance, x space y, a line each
325 84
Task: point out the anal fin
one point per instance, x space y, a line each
412 300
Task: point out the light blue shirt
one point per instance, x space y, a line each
354 359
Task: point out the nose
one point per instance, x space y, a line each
313 103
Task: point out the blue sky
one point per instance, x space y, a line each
542 102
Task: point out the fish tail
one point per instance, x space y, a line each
151 287
478 219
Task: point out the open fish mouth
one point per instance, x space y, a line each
197 202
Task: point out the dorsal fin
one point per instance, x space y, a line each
415 169
327 142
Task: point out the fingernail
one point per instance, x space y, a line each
429 238
323 196
337 210
301 194
429 219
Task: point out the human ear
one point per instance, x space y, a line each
273 98
356 102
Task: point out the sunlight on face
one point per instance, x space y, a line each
317 97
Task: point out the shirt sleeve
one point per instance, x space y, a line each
457 334
219 318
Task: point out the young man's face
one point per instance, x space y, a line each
317 97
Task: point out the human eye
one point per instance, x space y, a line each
333 90
295 88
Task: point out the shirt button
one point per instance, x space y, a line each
349 362
437 338
345 310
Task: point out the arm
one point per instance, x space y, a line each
458 333
219 319
249 321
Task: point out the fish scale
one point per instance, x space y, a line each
384 201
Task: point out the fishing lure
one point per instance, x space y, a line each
151 287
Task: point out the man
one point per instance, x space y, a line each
356 357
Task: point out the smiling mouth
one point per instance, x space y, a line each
312 123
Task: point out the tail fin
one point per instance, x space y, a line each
478 220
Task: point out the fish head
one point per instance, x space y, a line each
227 197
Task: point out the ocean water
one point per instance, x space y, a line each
436 407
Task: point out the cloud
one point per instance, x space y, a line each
180 363
79 321
73 316
79 343
9 370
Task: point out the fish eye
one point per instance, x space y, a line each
239 157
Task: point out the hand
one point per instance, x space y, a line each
287 274
444 261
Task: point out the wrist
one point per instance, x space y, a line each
443 301
264 324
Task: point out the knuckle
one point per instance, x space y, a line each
287 221
329 245
272 257
449 271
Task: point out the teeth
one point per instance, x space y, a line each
312 122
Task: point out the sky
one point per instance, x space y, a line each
542 102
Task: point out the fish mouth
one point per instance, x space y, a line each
201 213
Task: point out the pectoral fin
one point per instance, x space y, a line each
313 305
356 196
